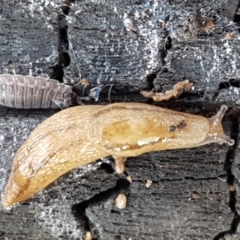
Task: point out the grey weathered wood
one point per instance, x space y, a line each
29 40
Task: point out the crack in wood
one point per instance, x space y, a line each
229 160
64 44
79 209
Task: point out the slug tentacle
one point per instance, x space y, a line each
216 131
80 135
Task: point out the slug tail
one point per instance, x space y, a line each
55 147
22 186
12 193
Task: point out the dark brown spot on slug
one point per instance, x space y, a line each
172 128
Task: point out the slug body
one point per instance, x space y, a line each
19 91
80 135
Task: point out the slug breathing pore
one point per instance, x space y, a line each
80 135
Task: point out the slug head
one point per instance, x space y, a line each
216 133
134 129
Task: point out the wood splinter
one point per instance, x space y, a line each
177 90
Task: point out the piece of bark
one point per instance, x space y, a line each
174 93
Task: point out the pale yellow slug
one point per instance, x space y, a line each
80 135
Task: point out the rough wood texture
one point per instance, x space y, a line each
123 43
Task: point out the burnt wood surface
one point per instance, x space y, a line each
123 46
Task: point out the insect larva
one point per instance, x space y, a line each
80 135
18 91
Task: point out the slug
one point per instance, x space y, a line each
80 135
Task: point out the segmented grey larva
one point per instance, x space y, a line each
18 91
